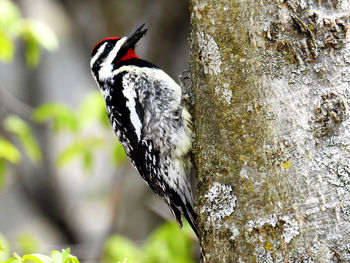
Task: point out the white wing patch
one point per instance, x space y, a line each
130 94
153 74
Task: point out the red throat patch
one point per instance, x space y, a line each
129 55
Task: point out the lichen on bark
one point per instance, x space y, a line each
271 85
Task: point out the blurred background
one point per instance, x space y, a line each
64 179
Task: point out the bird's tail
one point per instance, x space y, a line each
191 217
178 205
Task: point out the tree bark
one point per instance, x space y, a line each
271 83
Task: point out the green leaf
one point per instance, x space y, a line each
55 257
27 243
64 257
65 254
23 131
12 260
118 248
32 259
80 148
169 244
33 52
69 153
63 118
93 109
36 35
9 15
67 257
88 161
41 33
9 152
2 173
4 249
7 48
118 154
37 258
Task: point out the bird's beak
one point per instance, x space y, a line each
134 37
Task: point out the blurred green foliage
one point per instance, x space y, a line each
27 243
8 151
4 249
22 131
18 133
2 172
169 244
61 116
118 248
82 148
91 112
166 244
55 257
36 35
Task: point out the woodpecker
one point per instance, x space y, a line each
144 106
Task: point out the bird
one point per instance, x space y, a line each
145 108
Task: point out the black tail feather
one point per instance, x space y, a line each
191 217
177 205
177 214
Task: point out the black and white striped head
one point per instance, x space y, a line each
112 50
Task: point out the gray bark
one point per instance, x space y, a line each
271 83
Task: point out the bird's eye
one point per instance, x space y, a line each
109 46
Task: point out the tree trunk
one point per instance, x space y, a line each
271 83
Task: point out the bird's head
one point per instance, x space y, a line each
114 49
